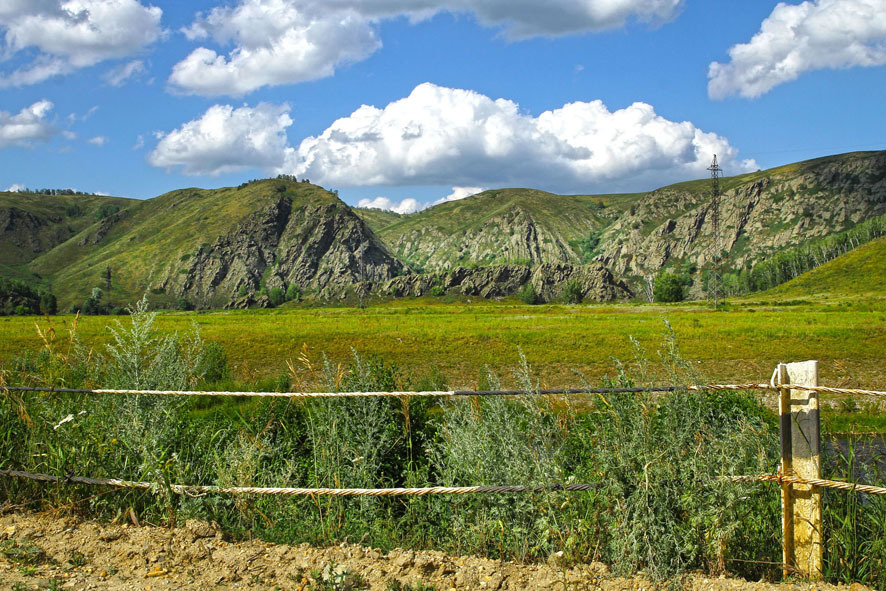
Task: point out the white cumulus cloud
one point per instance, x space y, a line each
459 193
225 139
446 136
795 39
15 188
288 41
28 125
98 140
408 205
276 42
71 34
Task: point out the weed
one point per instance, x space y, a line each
396 585
77 559
337 578
22 553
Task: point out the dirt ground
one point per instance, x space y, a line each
46 551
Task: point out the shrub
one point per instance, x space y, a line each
669 287
528 295
277 296
106 211
293 293
572 292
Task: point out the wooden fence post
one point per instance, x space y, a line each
800 456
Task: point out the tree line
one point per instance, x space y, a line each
790 263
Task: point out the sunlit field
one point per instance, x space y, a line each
460 339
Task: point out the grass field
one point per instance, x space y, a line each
740 344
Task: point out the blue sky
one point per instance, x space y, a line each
402 103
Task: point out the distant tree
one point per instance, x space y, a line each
48 303
669 287
528 295
277 296
93 304
73 211
106 211
572 293
184 304
293 293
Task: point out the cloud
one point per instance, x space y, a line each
29 125
226 139
276 42
795 39
123 73
459 193
289 41
408 205
72 34
442 136
98 140
15 188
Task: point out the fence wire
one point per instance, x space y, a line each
439 393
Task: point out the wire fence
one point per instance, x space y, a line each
440 393
196 490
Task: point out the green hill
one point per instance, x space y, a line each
247 245
502 226
859 272
377 219
157 243
33 223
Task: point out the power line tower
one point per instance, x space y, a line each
715 278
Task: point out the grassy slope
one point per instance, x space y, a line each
568 216
377 219
861 271
465 214
51 211
157 233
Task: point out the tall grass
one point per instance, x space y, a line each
654 460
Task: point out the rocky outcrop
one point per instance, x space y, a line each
508 235
321 248
757 218
595 281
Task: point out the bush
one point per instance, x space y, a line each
277 296
572 292
184 304
48 303
438 291
106 211
669 287
293 293
528 295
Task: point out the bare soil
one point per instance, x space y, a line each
48 551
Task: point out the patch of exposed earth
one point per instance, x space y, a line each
45 551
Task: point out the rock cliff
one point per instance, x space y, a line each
596 282
321 248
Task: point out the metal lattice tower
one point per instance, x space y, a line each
715 279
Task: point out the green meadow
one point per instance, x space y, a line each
741 343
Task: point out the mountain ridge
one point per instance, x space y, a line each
233 246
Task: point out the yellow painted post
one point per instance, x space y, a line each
801 456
